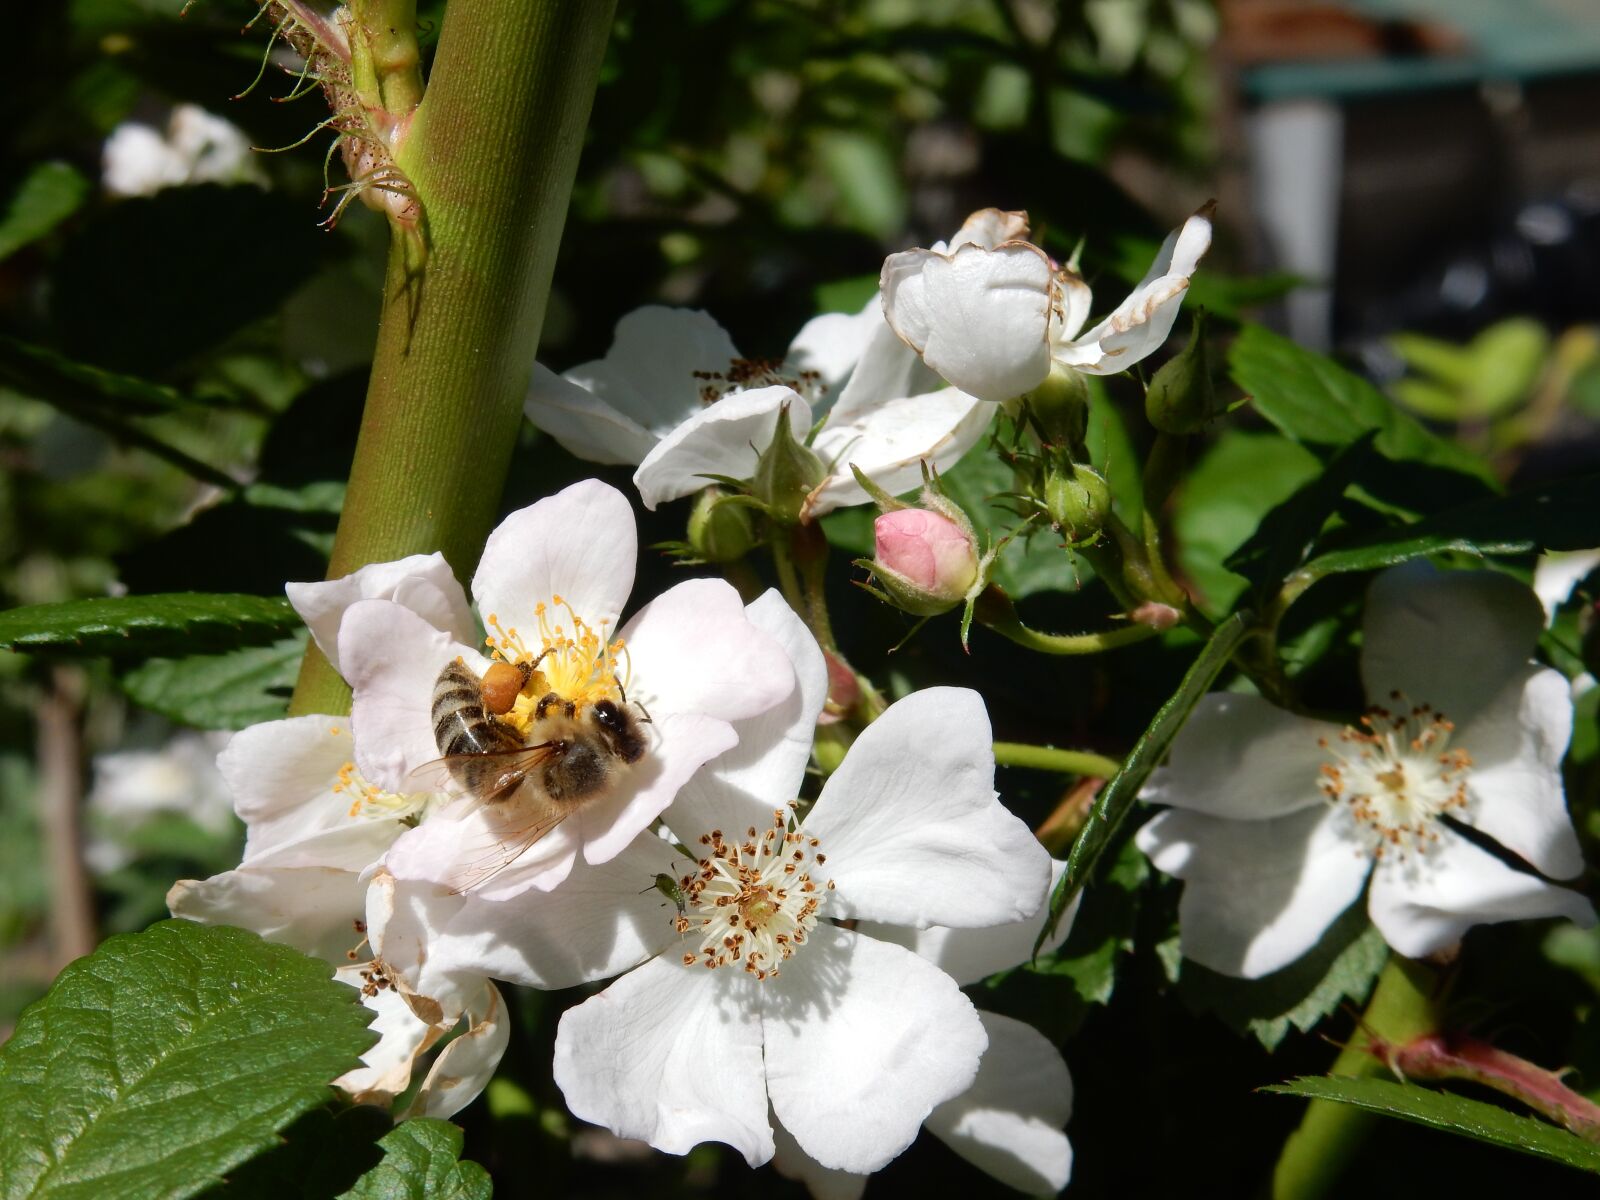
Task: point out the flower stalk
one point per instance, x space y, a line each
492 152
1404 1006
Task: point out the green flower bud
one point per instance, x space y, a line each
786 474
1061 407
1078 500
1182 397
720 531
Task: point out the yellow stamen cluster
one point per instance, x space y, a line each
1398 774
753 901
574 660
367 800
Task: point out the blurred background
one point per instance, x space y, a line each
1412 185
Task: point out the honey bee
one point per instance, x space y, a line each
527 783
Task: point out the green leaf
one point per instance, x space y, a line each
220 691
421 1161
1223 502
141 626
1451 1113
1103 929
1342 968
1313 400
41 374
1556 516
165 1058
1116 799
51 193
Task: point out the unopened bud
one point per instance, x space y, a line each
1061 406
720 531
785 475
925 560
1182 397
844 689
1156 615
1078 500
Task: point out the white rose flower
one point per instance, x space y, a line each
551 585
993 319
675 397
139 160
132 786
1278 820
751 997
314 828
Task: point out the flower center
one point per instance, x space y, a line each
1397 774
753 901
572 659
367 800
745 374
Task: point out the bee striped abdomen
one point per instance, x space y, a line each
461 725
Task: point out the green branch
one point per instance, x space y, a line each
1047 758
492 151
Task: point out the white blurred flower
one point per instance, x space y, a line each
993 319
551 586
1554 577
315 827
131 786
197 147
675 397
1277 820
752 999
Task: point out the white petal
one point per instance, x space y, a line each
1425 903
392 658
684 743
1446 638
742 786
1257 894
312 909
887 370
584 424
724 438
580 544
988 227
824 1183
600 922
1243 757
464 1067
1141 324
890 442
692 650
1517 743
832 344
980 318
863 1039
281 775
1009 1122
386 1067
670 1055
1556 574
423 583
972 955
911 826
469 844
651 372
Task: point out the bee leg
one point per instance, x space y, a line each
570 709
546 702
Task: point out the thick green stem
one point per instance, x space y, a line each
492 151
1404 1006
1047 758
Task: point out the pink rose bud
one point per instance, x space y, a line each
928 554
844 689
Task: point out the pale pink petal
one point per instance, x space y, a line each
313 909
863 1040
670 1055
281 775
392 658
580 544
424 583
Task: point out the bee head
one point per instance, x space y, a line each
620 730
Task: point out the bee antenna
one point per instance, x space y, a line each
644 713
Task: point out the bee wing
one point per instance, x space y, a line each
510 829
491 777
